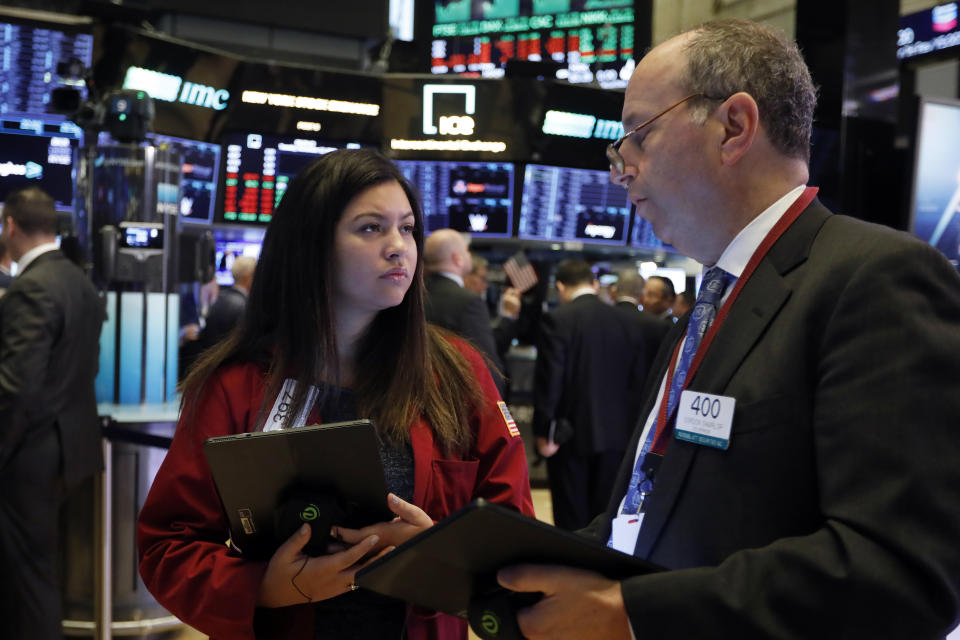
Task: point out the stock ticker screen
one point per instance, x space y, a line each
29 54
472 197
258 169
593 40
564 204
39 152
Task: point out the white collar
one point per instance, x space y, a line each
456 278
735 257
33 254
585 290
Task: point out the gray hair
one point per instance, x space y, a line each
729 56
243 267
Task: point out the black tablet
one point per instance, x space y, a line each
456 560
255 474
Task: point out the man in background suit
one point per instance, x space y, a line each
830 507
658 296
50 321
627 293
590 359
227 309
446 257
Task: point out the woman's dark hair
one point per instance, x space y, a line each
403 369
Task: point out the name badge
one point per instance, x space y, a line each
624 531
703 418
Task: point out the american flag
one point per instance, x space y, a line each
520 271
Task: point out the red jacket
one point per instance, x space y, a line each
181 533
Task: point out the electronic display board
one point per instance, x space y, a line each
258 169
29 54
39 152
935 202
472 197
593 40
565 204
642 236
198 177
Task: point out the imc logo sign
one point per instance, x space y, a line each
170 88
452 123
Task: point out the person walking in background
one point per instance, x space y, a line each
335 312
591 359
658 296
50 320
627 292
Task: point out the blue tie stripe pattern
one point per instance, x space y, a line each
715 282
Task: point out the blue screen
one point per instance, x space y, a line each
936 192
564 204
39 152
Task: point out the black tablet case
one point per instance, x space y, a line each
253 471
446 566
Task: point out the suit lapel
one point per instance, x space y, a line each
759 302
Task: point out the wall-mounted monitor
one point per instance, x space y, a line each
229 250
257 170
29 54
642 236
198 177
935 217
591 40
472 197
39 152
564 204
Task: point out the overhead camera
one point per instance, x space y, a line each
126 114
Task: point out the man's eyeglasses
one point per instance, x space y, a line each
613 149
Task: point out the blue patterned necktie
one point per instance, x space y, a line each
714 283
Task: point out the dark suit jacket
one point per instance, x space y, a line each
50 321
463 312
223 316
653 329
592 360
835 512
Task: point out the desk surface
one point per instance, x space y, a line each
139 413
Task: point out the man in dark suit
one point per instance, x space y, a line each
50 321
820 500
590 359
627 292
446 257
658 296
227 309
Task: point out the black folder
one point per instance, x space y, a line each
456 560
254 471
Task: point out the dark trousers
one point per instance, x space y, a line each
580 485
30 495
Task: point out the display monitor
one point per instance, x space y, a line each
198 177
935 217
258 169
565 204
642 236
39 152
472 197
226 251
29 55
591 40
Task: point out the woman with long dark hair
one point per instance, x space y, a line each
335 312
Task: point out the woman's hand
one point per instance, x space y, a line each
295 578
410 521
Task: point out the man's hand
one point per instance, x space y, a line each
576 604
546 447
